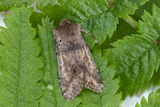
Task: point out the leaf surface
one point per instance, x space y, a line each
137 57
153 100
93 15
20 61
5 5
124 7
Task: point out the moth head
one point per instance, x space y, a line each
66 31
64 22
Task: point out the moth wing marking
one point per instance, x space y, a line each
92 79
70 77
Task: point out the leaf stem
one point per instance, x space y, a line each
132 22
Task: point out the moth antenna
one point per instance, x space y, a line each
88 34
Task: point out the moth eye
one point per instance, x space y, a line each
59 40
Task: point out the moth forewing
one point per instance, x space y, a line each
75 63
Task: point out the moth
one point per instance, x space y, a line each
75 63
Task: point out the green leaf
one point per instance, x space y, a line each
147 7
150 26
119 34
5 5
20 61
42 3
124 7
154 81
155 10
109 96
53 95
36 18
93 15
21 64
153 100
137 57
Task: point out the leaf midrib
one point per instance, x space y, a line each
20 58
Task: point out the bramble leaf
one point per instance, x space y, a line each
20 61
5 5
93 16
36 18
124 7
135 57
153 100
42 3
138 56
155 10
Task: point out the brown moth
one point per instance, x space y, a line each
75 63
